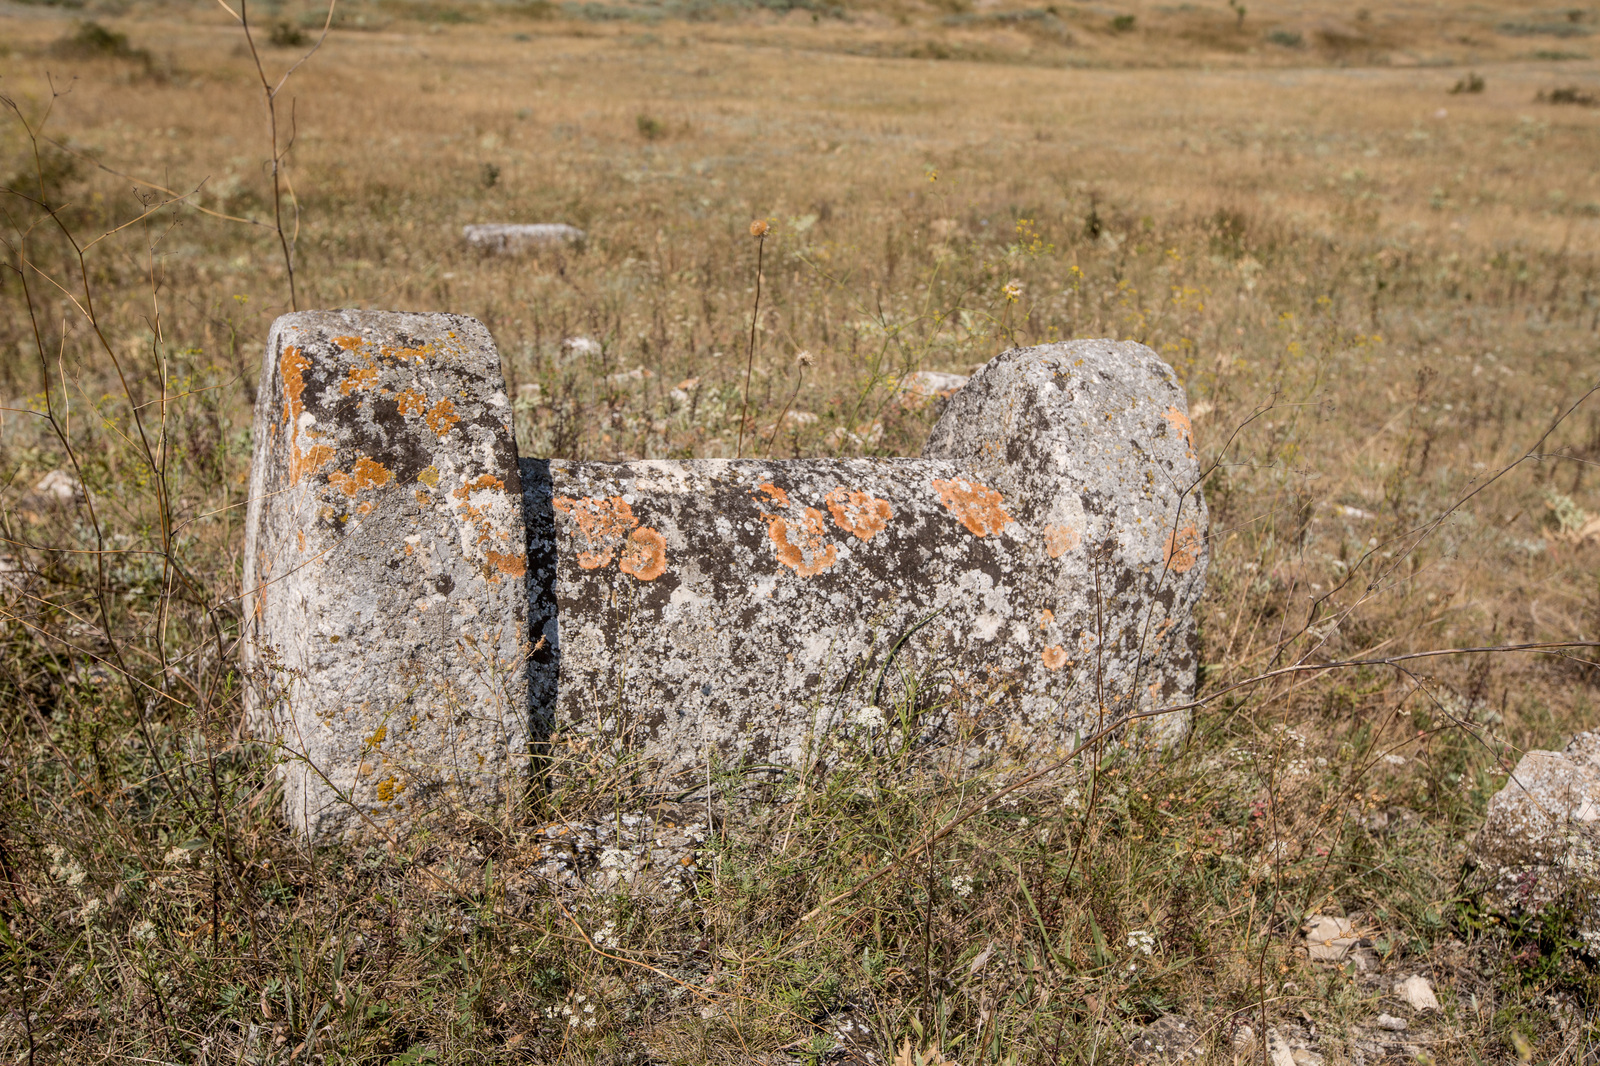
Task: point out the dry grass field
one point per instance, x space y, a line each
1367 239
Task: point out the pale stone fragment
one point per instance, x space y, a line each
384 572
924 386
1540 841
1282 1054
1329 939
1417 991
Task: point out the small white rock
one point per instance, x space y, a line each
1391 1023
1329 939
1282 1055
59 485
1417 992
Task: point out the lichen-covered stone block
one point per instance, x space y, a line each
1026 582
1539 848
1090 443
385 577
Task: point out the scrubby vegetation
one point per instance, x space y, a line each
1383 300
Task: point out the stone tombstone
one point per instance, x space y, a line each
1027 581
385 596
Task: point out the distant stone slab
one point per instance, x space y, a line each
1539 847
510 238
385 593
1029 580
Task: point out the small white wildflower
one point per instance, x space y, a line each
962 885
63 867
90 909
145 930
1142 941
176 856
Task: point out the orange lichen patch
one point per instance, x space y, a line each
411 401
1054 657
1046 616
309 461
390 788
300 535
482 481
293 368
602 524
1184 427
1059 540
402 354
645 556
775 494
808 554
349 343
359 379
508 563
1183 549
859 513
974 506
441 417
366 474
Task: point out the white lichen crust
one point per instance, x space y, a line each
385 576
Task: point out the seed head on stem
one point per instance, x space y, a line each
758 230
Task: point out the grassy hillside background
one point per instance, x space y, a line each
1365 238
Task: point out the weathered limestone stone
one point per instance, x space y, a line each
1540 842
505 238
1028 580
385 597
